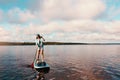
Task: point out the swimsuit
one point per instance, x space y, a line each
39 43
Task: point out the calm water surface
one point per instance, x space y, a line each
67 62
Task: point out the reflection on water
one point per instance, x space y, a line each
68 62
40 76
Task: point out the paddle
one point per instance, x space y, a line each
32 65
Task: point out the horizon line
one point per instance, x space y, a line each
58 43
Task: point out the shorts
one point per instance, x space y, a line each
41 47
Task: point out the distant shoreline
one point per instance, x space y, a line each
54 43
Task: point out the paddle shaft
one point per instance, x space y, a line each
32 65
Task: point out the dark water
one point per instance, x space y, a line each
73 62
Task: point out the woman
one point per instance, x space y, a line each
40 50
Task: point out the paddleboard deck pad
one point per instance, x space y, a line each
41 66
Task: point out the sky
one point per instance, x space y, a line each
60 20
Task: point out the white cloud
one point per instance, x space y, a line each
4 34
49 10
71 9
17 15
66 20
76 30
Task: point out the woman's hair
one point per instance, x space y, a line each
38 36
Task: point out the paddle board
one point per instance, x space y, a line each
41 66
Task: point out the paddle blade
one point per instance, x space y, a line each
32 65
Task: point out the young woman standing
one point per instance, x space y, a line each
40 47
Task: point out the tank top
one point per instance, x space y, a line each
39 42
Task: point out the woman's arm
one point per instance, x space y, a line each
36 42
43 39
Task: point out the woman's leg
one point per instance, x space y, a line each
38 54
42 55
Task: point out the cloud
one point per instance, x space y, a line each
34 5
17 15
63 20
50 10
112 11
76 30
4 34
71 9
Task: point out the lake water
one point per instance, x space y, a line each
67 62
